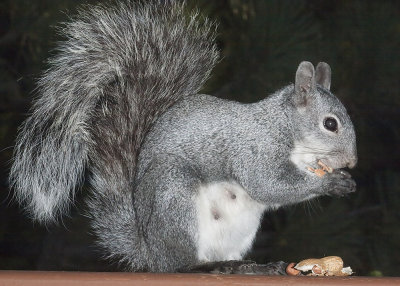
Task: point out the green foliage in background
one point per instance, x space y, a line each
261 43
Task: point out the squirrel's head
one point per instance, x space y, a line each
323 129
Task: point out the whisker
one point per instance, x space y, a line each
312 149
316 152
313 207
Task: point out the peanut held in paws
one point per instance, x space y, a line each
326 266
320 172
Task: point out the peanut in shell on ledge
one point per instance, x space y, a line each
326 266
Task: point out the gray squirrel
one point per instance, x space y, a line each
178 179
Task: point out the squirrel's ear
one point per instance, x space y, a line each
323 75
305 82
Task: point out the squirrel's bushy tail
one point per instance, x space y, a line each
119 68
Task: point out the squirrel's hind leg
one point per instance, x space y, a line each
166 213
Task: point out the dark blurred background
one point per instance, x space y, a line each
261 42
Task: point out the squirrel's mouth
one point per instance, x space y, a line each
339 162
323 169
303 156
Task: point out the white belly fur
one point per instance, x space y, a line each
228 220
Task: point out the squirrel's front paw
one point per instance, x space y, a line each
339 183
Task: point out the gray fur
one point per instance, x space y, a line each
323 75
124 60
118 100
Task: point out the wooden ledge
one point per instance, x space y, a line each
49 278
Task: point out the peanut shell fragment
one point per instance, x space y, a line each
290 270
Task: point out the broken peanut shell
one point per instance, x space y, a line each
326 266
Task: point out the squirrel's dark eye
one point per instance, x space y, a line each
331 124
